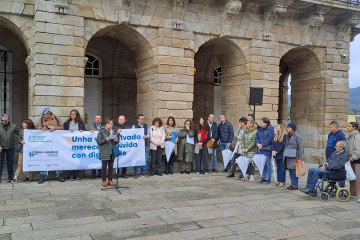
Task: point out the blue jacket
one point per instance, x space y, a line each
214 132
279 148
226 132
265 137
333 138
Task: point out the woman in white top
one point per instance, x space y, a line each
157 144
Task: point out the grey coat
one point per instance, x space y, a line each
7 138
185 150
293 142
353 144
105 148
21 137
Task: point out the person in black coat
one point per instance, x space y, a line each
74 123
214 136
201 138
335 162
121 124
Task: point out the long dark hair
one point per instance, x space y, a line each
77 119
205 127
30 124
173 119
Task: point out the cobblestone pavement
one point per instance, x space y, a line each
172 207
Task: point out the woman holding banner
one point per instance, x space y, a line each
186 146
157 144
74 123
105 139
171 135
26 124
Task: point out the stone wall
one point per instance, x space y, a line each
165 50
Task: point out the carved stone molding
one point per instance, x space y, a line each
179 8
271 13
124 9
311 20
354 31
345 27
231 9
61 6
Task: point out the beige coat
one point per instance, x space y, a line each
53 120
353 144
168 131
155 138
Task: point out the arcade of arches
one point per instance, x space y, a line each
181 58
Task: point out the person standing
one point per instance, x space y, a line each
248 147
106 140
201 137
74 123
170 131
185 148
238 151
26 124
157 144
121 124
8 130
214 137
51 122
278 146
263 140
353 149
141 124
226 135
96 126
293 141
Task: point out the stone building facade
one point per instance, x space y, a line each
185 58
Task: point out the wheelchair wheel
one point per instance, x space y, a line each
331 189
343 195
324 196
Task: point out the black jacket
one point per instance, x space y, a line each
80 124
336 161
214 132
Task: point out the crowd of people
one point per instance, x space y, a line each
195 144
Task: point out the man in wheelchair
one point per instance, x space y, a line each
333 168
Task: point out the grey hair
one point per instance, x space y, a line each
335 123
342 144
5 115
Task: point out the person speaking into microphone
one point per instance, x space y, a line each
106 140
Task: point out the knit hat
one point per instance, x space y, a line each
45 110
292 126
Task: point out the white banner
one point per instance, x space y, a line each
64 150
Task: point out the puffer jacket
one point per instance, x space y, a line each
265 137
248 142
7 138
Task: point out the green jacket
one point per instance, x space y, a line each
7 138
185 150
94 128
248 141
105 148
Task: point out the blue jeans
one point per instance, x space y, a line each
58 172
9 161
224 146
313 175
281 174
267 169
143 168
214 159
293 178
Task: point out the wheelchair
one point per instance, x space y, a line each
331 189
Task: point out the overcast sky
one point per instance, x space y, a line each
354 73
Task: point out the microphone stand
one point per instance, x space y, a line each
117 187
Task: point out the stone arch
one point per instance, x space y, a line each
229 56
14 94
307 97
128 67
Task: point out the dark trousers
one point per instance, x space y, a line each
202 162
156 161
93 172
74 173
169 165
107 164
251 169
10 161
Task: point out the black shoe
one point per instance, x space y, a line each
41 179
231 175
60 178
182 172
225 170
151 174
123 176
187 172
77 178
160 174
27 179
10 181
262 180
71 178
306 190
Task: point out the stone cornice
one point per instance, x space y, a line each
344 28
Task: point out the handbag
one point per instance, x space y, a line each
290 152
300 168
210 143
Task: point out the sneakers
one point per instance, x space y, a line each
72 178
251 178
206 173
12 181
197 173
41 179
268 181
187 172
110 183
27 179
262 180
144 175
104 183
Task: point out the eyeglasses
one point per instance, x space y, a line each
187 123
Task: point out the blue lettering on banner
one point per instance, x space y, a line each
133 137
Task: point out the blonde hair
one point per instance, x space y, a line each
279 136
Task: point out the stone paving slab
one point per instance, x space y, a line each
172 207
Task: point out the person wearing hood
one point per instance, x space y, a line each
353 149
263 140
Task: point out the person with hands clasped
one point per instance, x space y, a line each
185 148
157 144
248 147
201 137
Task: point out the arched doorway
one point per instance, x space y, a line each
308 88
221 81
13 76
115 56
